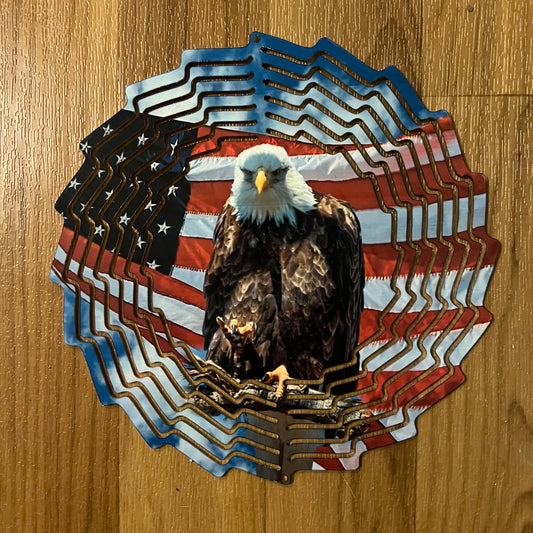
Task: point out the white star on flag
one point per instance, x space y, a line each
85 147
150 205
142 140
108 194
172 190
152 264
163 228
107 130
99 230
173 146
140 243
73 184
121 158
124 219
154 166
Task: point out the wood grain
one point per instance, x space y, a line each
484 434
68 463
478 48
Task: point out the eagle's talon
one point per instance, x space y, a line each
281 375
234 333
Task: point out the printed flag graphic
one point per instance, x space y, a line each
138 230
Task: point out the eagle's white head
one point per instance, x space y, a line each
267 186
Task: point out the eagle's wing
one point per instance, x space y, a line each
345 255
338 289
215 292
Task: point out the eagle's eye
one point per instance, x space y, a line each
248 174
279 172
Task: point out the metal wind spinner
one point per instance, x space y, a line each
137 236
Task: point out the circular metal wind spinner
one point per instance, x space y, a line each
139 220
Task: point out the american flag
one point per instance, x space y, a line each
139 221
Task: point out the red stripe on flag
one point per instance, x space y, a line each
381 259
231 143
377 441
328 463
361 192
370 317
417 382
208 197
193 253
442 390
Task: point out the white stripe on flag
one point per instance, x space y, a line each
331 167
407 431
378 292
390 361
376 225
352 462
194 278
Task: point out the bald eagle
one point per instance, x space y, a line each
289 261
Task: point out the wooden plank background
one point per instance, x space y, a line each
70 464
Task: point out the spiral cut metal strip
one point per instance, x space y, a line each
139 216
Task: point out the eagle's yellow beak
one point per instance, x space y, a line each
260 181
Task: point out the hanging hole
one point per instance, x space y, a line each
256 38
